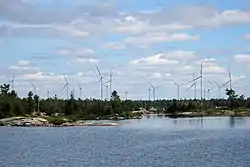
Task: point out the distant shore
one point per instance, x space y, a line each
224 113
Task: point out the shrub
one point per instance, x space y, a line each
57 120
1 123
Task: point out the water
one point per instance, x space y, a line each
150 142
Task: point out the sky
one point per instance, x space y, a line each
143 43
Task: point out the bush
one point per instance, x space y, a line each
2 124
57 120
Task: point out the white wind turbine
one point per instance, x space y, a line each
126 95
66 86
194 85
34 87
178 88
13 82
154 90
101 81
149 93
80 91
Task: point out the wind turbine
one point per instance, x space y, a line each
178 89
126 95
149 93
230 79
66 86
154 91
48 93
101 81
34 88
220 86
107 91
80 89
110 83
201 76
12 81
194 84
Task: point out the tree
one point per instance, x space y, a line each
5 89
115 102
36 99
232 98
30 102
231 94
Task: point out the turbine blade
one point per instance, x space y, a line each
98 70
175 83
65 79
99 80
190 87
106 82
224 84
216 83
32 84
197 78
64 87
211 82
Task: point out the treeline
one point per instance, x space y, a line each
12 105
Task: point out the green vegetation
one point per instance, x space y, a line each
2 124
73 109
57 120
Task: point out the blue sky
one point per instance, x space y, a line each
144 42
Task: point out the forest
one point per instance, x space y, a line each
12 105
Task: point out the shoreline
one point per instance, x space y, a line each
42 122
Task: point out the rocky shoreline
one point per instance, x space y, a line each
41 122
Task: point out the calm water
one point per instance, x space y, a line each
150 142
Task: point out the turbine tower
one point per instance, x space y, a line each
178 89
107 91
110 84
154 91
126 95
48 93
80 89
201 76
149 93
12 81
230 79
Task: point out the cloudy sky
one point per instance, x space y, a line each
143 42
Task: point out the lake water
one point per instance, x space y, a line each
151 142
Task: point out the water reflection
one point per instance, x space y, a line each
155 121
237 121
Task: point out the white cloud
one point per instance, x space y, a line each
169 58
242 58
115 46
42 30
92 61
155 60
77 53
152 38
247 36
134 26
24 65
